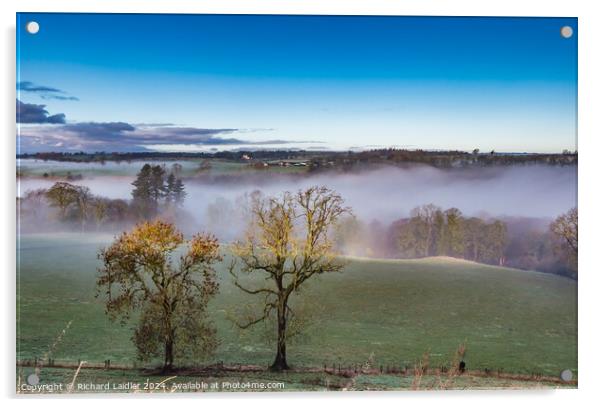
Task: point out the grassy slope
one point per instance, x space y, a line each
387 311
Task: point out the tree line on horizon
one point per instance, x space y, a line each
428 230
342 160
156 191
431 231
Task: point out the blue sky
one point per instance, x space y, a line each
186 82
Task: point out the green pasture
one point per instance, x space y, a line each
376 312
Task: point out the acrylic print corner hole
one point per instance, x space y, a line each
303 203
566 31
32 27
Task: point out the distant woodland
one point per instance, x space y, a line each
319 160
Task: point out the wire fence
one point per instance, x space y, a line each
338 369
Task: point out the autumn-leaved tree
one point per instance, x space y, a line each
289 241
139 274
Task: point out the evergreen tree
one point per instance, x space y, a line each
157 183
175 192
171 184
179 192
144 200
176 169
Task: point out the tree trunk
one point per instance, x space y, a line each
168 363
280 361
428 240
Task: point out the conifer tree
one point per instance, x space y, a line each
144 199
171 183
179 192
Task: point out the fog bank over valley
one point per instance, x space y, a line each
383 194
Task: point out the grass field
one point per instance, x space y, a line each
385 312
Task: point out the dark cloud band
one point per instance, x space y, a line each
37 114
114 136
45 92
52 132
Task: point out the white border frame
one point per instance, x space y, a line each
590 30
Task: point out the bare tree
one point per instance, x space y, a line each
62 195
289 241
565 228
425 217
83 200
100 211
34 204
